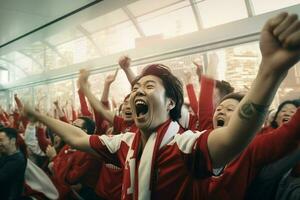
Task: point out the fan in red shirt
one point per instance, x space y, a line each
159 160
263 150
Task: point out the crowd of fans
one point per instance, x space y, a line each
221 144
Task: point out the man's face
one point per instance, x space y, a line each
285 114
149 103
5 143
224 112
126 110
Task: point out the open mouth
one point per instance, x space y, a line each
128 113
220 122
284 120
141 108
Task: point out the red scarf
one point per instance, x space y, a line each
137 177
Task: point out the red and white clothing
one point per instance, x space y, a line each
173 164
263 150
121 126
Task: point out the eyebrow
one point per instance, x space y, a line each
150 81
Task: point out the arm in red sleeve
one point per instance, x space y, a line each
274 145
42 139
205 108
192 98
87 169
118 124
83 105
101 123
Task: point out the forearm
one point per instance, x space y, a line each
246 120
70 134
83 105
192 98
99 107
130 75
105 94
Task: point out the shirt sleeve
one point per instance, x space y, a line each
274 145
117 124
195 152
83 105
78 170
192 98
42 139
107 148
205 108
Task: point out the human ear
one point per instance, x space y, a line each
171 104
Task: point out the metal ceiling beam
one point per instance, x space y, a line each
88 36
53 48
12 63
30 57
250 8
134 21
196 14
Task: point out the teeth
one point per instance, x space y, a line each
139 102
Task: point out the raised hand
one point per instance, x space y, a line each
199 69
124 62
280 44
83 79
50 152
187 77
56 103
111 78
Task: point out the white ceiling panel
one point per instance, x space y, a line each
20 17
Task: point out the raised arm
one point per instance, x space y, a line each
280 48
99 107
124 63
108 81
191 92
72 135
60 113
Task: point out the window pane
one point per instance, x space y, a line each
76 51
169 22
4 76
25 63
226 11
41 98
63 93
3 100
25 95
105 21
142 7
263 6
116 39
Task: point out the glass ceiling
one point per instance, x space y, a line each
120 30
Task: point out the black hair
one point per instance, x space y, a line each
171 83
295 102
234 95
88 125
11 133
224 88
